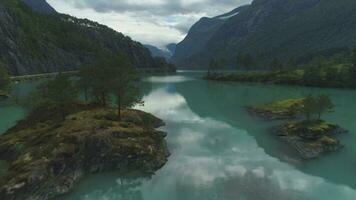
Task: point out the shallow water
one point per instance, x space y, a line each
219 152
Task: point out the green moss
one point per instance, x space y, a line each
280 109
289 105
88 141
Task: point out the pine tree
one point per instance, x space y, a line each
324 104
59 94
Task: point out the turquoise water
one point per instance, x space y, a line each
219 152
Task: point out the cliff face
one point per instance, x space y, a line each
296 29
33 42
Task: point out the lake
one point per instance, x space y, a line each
219 151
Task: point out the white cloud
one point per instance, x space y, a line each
156 22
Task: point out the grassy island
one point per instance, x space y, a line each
278 110
310 136
48 156
78 127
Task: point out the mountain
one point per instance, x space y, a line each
157 52
40 6
164 53
33 42
172 48
267 29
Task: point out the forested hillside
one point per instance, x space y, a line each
34 42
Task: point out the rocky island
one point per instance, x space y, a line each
46 157
310 137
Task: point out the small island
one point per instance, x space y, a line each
310 137
47 157
78 126
286 109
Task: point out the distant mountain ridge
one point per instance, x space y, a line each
267 29
164 53
31 41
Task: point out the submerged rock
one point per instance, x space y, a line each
310 138
47 157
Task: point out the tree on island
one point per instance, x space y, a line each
111 77
276 65
4 79
315 107
59 94
309 107
124 83
324 105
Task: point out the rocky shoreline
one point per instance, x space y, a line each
46 158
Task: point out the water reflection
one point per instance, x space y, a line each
219 152
213 160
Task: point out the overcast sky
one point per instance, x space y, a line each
156 22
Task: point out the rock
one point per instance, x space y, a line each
310 139
47 158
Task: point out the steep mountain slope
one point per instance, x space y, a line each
164 53
40 6
298 29
32 42
172 48
199 35
157 52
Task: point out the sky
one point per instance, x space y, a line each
155 22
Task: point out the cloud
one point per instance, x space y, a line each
156 22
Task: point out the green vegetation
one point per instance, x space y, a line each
244 60
62 135
279 110
47 43
311 136
316 106
59 94
216 66
339 76
115 76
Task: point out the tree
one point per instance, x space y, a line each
311 75
213 66
111 77
59 94
353 57
276 65
324 104
97 79
4 79
247 61
124 83
85 73
310 107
